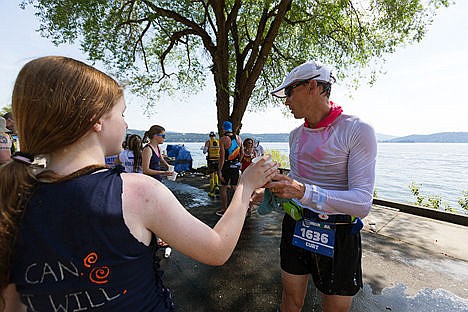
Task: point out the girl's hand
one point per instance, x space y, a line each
259 173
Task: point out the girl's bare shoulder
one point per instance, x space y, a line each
141 185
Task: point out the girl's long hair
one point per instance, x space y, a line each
134 144
56 101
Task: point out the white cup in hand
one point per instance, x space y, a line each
256 159
173 176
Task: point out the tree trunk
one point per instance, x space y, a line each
221 65
222 100
246 77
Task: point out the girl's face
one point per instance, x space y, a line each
159 137
114 128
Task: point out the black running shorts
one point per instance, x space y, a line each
230 175
212 165
340 275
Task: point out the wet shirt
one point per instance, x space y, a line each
337 164
75 253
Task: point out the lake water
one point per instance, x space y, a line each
438 168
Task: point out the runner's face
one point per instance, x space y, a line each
296 101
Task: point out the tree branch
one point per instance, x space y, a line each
197 30
282 8
173 40
140 40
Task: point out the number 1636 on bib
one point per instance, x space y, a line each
314 238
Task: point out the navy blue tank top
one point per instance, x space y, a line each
75 253
155 162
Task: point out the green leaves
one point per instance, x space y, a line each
435 201
463 201
159 46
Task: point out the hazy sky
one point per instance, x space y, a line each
422 92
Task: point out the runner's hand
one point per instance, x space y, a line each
285 187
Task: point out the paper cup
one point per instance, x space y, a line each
256 159
172 177
170 168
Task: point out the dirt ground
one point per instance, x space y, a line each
416 276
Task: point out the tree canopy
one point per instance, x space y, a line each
158 46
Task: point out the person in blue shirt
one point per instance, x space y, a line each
78 235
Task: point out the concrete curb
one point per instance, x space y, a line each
451 217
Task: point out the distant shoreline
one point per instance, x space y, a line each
441 137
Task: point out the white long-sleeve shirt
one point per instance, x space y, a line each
337 165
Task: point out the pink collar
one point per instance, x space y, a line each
335 111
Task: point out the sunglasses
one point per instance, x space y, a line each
162 135
288 89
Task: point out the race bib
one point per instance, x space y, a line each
317 237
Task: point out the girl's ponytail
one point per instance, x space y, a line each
16 184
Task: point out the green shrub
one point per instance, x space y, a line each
463 201
414 188
282 159
435 201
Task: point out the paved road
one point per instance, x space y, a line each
410 263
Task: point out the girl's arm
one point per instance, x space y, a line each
161 156
149 206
